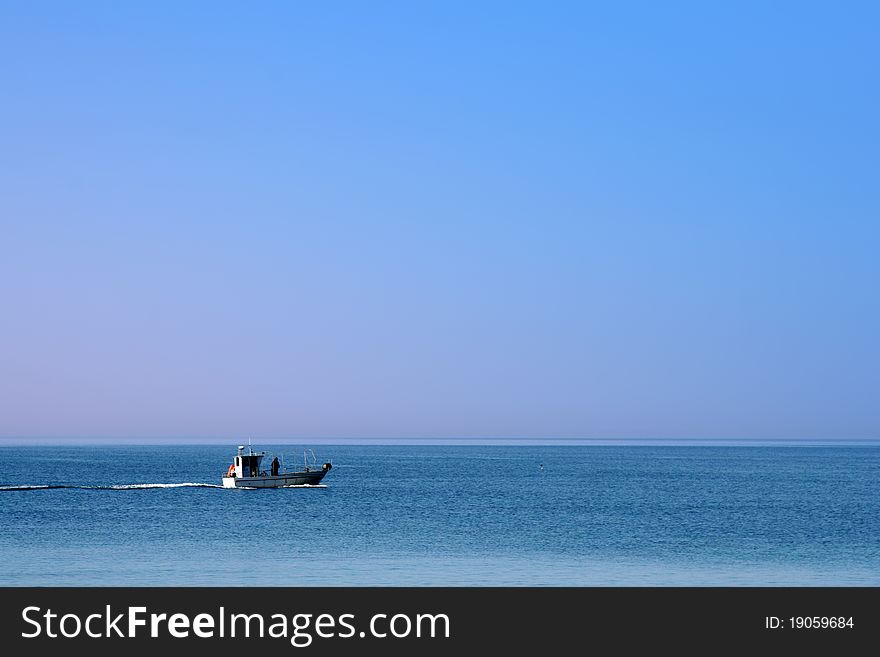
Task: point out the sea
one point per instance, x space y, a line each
445 515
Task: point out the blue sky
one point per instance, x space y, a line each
407 220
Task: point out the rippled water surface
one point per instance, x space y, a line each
446 515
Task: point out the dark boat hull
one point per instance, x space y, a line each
283 480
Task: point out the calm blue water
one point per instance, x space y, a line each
447 515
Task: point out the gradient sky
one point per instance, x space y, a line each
449 219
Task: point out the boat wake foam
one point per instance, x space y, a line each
187 484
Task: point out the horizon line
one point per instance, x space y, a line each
59 441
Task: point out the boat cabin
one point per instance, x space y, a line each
247 465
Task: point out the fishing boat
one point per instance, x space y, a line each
246 471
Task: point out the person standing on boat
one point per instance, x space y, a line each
275 467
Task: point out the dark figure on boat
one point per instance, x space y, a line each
275 466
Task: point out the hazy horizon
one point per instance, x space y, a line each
395 221
427 442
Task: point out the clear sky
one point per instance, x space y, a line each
447 219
